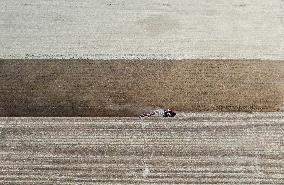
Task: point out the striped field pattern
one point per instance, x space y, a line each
195 148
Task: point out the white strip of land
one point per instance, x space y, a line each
160 29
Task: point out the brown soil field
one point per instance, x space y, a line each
216 148
129 87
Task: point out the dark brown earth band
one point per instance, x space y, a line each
128 87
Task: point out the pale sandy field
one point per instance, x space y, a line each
157 29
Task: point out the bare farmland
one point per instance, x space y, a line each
157 29
126 87
197 148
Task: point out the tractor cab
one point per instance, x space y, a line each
169 113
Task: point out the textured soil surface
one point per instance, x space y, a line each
196 148
130 87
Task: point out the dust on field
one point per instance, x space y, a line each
129 87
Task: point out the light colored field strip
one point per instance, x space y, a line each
248 150
142 29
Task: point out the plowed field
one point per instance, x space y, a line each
104 88
208 148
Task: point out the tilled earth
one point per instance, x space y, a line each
194 148
119 88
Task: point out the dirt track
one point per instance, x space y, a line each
128 87
191 149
